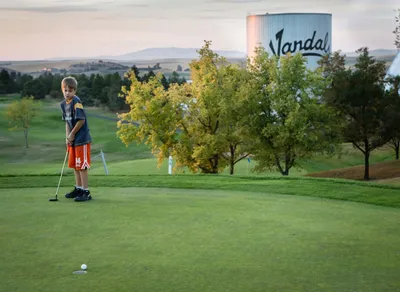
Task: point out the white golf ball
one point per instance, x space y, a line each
83 267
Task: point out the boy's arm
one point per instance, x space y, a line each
72 133
67 130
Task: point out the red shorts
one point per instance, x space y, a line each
79 157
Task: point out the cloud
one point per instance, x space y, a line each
134 5
73 6
236 1
52 9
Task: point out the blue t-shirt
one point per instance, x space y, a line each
72 112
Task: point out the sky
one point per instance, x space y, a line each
43 29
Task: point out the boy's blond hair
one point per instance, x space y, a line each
69 82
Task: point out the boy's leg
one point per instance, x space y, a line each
78 179
72 164
83 175
84 154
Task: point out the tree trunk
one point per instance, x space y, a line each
232 161
215 161
287 164
26 137
278 164
366 165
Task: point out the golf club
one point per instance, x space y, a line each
59 181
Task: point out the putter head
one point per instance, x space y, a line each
53 200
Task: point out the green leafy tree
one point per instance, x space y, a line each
148 76
233 116
187 120
153 109
175 78
34 88
136 72
97 89
21 113
47 79
4 81
358 94
286 120
8 82
21 80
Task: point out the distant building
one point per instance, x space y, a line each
279 34
394 69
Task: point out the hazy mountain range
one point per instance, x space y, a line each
191 53
161 53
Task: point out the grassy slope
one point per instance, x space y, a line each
240 233
192 240
46 152
46 139
323 188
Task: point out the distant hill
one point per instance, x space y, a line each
162 53
8 69
191 53
375 53
173 53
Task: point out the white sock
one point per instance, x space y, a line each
79 188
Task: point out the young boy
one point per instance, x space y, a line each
78 139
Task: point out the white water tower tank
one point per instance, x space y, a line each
279 34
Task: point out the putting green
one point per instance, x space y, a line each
146 239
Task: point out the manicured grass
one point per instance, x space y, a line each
136 239
149 231
46 140
377 194
47 137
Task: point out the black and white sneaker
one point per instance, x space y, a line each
83 196
75 193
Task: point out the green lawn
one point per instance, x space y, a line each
149 231
46 140
146 239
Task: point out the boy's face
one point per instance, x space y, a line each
68 92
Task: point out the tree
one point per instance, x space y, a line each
97 88
47 79
34 88
187 121
21 113
5 81
358 94
148 76
135 71
397 31
21 80
286 120
153 109
115 100
394 113
175 78
233 130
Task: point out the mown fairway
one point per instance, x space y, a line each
146 239
149 231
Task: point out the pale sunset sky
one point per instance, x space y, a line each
86 28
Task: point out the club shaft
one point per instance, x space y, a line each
62 171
